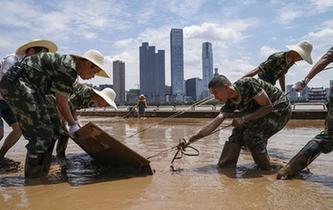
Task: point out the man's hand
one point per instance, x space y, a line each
73 128
238 122
300 85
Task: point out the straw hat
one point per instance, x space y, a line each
303 48
96 58
142 97
37 43
108 95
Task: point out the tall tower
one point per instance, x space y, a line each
119 80
207 67
152 73
177 64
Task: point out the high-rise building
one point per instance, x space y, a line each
119 81
177 63
194 88
152 73
207 66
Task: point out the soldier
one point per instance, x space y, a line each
278 64
322 142
27 49
25 87
262 109
84 97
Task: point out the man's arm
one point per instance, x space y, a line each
326 59
253 72
205 131
266 108
282 80
64 109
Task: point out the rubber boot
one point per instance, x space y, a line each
33 166
261 158
302 159
229 155
61 146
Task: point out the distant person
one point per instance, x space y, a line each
258 109
142 105
322 142
277 65
33 47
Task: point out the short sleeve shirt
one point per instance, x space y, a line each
274 67
249 88
50 73
82 96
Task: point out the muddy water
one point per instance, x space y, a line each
196 185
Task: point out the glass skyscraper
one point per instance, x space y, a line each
207 67
152 73
177 64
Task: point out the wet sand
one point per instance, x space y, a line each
196 185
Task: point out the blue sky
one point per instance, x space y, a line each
243 33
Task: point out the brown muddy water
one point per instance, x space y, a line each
196 185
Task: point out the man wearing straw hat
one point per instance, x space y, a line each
322 142
27 49
84 97
25 86
278 64
259 111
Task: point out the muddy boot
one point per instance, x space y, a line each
261 158
33 166
302 159
61 146
230 154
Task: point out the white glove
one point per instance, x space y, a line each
300 85
73 128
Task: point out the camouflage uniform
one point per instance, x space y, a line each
254 134
80 99
274 67
26 87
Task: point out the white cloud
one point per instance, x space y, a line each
266 51
288 14
322 5
185 9
230 31
324 33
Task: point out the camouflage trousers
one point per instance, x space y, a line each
36 113
254 134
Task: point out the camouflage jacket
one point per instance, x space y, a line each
248 88
49 73
274 67
82 96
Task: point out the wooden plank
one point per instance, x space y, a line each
107 150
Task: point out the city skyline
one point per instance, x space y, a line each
243 33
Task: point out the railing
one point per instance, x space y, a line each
309 106
295 106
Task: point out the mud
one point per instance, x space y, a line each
197 184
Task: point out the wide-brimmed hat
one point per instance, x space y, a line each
303 48
108 95
96 58
52 47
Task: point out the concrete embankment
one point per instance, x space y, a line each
296 114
